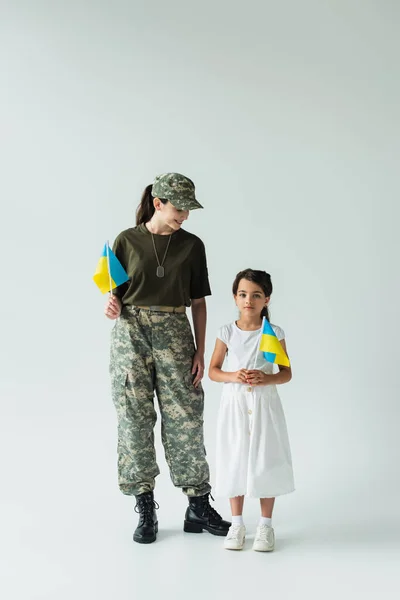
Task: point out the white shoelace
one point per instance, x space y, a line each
234 531
264 533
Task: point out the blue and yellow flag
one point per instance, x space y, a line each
105 279
271 346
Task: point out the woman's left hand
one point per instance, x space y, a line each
198 368
256 377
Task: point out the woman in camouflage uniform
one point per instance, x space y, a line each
153 350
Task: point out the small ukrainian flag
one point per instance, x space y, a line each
271 346
109 273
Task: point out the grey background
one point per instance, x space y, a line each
286 117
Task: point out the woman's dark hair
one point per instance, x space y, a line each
261 278
146 209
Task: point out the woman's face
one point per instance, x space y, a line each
170 215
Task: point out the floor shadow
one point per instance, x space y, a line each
166 534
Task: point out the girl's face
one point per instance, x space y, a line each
169 215
250 298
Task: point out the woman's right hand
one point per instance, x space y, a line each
113 307
239 376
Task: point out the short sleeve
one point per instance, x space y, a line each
199 283
280 334
119 251
223 334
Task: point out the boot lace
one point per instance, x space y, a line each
208 510
146 506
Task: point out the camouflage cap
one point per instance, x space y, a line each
176 188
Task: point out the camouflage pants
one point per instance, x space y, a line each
153 352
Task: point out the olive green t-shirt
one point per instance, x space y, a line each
185 277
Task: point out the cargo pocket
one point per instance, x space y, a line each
188 381
118 392
120 396
193 401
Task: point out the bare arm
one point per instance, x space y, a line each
217 374
199 314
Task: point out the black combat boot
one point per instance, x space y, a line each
201 515
146 531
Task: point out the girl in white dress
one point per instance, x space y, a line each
253 452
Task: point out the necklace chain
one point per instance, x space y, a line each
160 268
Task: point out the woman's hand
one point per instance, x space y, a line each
256 377
198 368
239 376
113 307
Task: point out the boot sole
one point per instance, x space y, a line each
196 528
148 540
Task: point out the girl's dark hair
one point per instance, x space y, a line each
146 209
261 278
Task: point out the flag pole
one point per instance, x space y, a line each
108 267
258 342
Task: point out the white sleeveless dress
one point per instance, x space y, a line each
253 451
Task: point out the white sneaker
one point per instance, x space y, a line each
235 537
265 539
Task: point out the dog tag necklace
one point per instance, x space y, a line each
160 269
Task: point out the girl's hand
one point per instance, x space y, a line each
113 307
239 376
256 377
